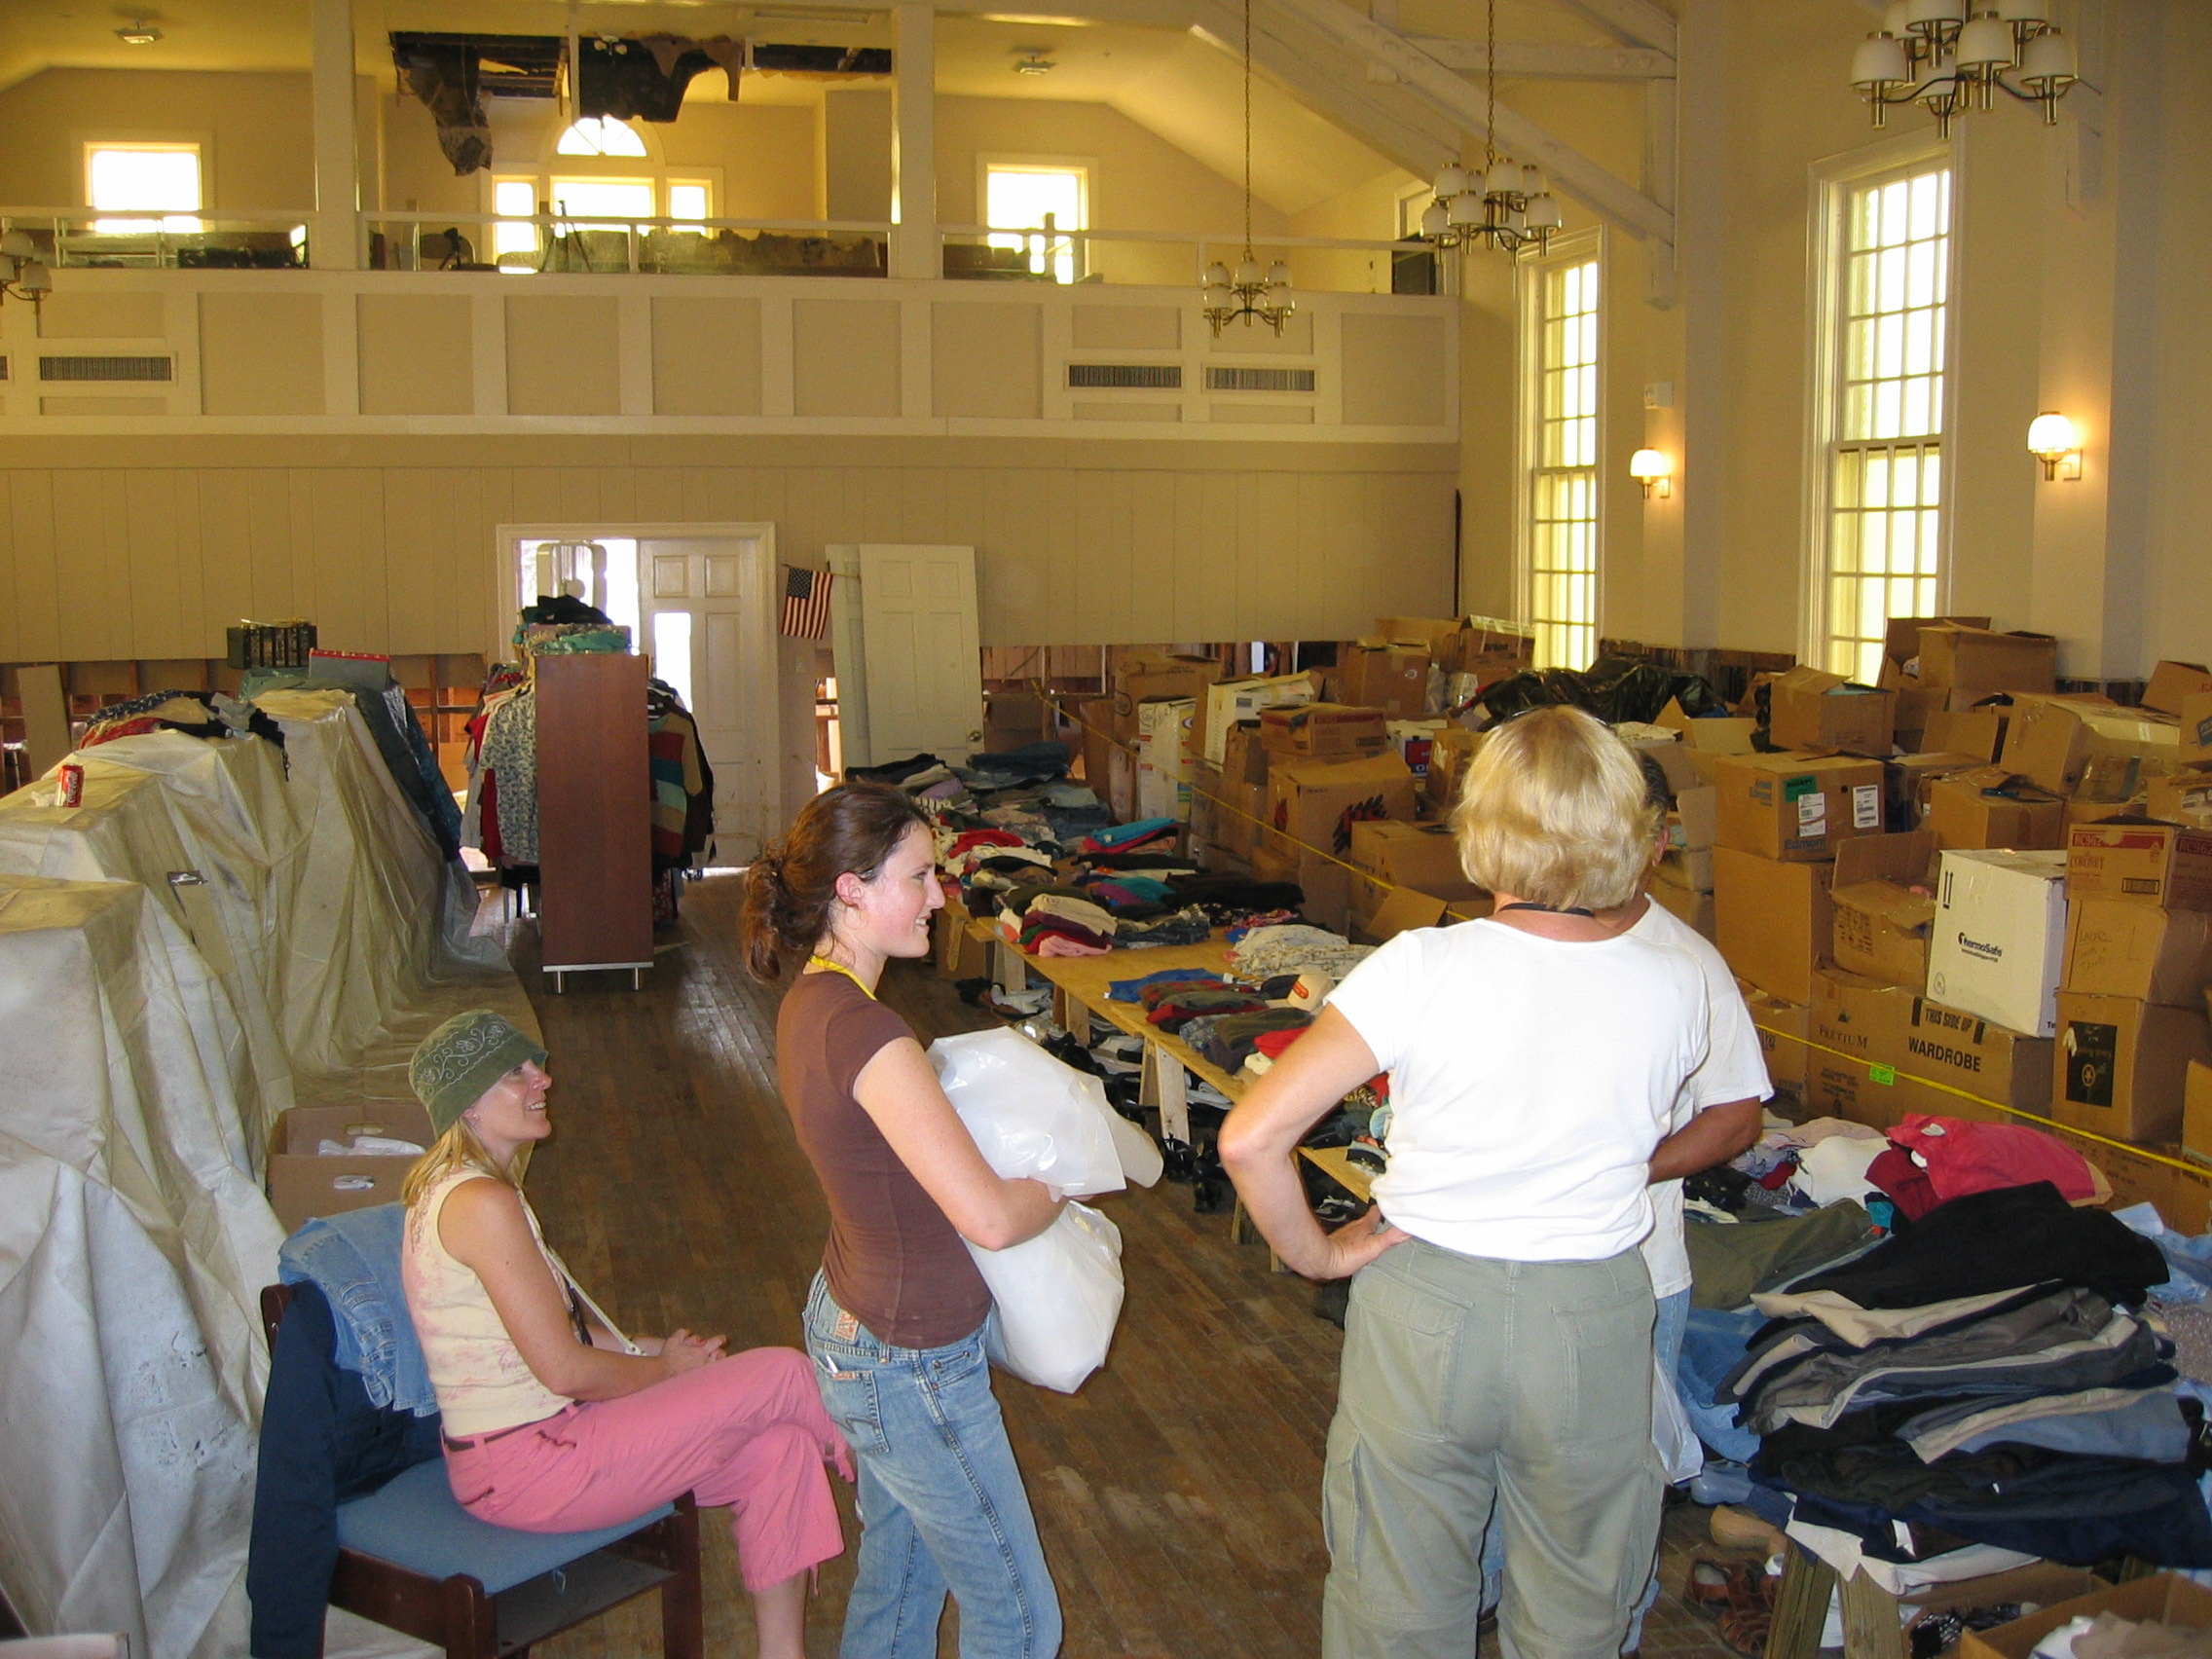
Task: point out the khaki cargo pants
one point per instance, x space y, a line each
1466 1378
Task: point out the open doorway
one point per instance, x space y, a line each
700 601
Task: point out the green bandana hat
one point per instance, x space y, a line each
460 1060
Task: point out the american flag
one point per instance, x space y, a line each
807 604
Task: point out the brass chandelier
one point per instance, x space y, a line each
1508 206
1932 53
1249 292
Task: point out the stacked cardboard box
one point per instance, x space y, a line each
1233 700
1313 807
1779 820
1382 674
2131 1013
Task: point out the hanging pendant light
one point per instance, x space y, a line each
1935 54
1249 292
1508 205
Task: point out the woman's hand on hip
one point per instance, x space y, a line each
1351 1246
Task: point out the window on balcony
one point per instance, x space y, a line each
600 135
143 180
1020 195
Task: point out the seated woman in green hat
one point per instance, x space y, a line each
554 1421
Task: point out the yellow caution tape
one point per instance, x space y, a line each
2039 1122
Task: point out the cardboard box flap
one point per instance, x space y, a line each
1901 639
1906 860
1903 911
2174 682
1403 910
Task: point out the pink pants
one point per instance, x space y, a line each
748 1431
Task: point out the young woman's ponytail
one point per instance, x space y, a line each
790 890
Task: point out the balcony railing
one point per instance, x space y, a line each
564 243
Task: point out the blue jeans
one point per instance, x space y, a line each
1666 1330
942 1502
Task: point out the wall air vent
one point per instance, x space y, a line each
3 368
106 368
1259 379
1167 377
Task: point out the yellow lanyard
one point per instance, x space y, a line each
827 966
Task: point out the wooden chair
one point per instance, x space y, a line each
412 1558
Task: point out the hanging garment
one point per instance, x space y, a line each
510 756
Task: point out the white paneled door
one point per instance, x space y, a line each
706 608
925 685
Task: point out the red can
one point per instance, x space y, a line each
72 792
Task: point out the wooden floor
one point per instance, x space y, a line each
1178 1493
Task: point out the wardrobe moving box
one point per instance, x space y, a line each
1856 1025
1783 1028
1975 659
2185 797
1815 710
1421 856
1244 755
2053 741
1990 806
1234 700
1799 807
1980 732
2173 683
2142 861
1771 920
1379 675
2122 1065
2114 948
1881 924
1142 675
1989 1061
1312 808
1323 731
303 1183
2000 937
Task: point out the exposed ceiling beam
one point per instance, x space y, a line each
1572 171
1406 132
1636 21
1532 63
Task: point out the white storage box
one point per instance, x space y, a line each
1242 700
2000 937
1163 765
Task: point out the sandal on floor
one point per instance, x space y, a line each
1744 1630
1714 1587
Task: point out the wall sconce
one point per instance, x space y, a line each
1652 469
2052 440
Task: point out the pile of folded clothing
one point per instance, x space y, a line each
1982 1377
1291 947
1056 921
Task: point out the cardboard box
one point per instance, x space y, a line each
1915 708
1881 924
1990 1061
2122 1065
1414 740
1856 1025
1239 813
2185 797
1391 911
1772 920
1421 856
1120 791
1799 807
1975 659
303 1183
1978 732
1672 755
1715 734
1234 700
1323 731
2165 1599
1907 778
1818 711
1426 632
1140 676
1163 767
2142 861
1783 1028
1901 645
1095 717
1693 906
2116 948
1449 753
1380 674
1485 647
1991 806
1313 807
2173 683
1244 755
2195 733
1205 803
2053 741
2196 1111
2000 937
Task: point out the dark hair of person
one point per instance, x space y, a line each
790 890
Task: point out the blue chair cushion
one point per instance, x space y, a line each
414 1521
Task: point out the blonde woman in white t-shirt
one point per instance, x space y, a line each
1498 1342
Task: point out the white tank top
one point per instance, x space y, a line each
483 1383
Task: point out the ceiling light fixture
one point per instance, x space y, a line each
138 33
22 277
1930 50
1033 61
1508 205
1249 292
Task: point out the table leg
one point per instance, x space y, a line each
1013 970
1168 1089
1801 1609
1071 1015
1870 1628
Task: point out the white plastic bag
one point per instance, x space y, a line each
1680 1453
1058 1295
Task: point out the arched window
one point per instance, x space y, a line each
600 135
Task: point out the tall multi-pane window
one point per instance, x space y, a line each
1885 423
1020 195
1561 443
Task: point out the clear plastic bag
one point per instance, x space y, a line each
1680 1453
1058 1294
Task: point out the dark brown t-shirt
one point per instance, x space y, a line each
894 1262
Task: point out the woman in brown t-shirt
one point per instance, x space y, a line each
896 1318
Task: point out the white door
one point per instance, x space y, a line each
925 675
705 613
